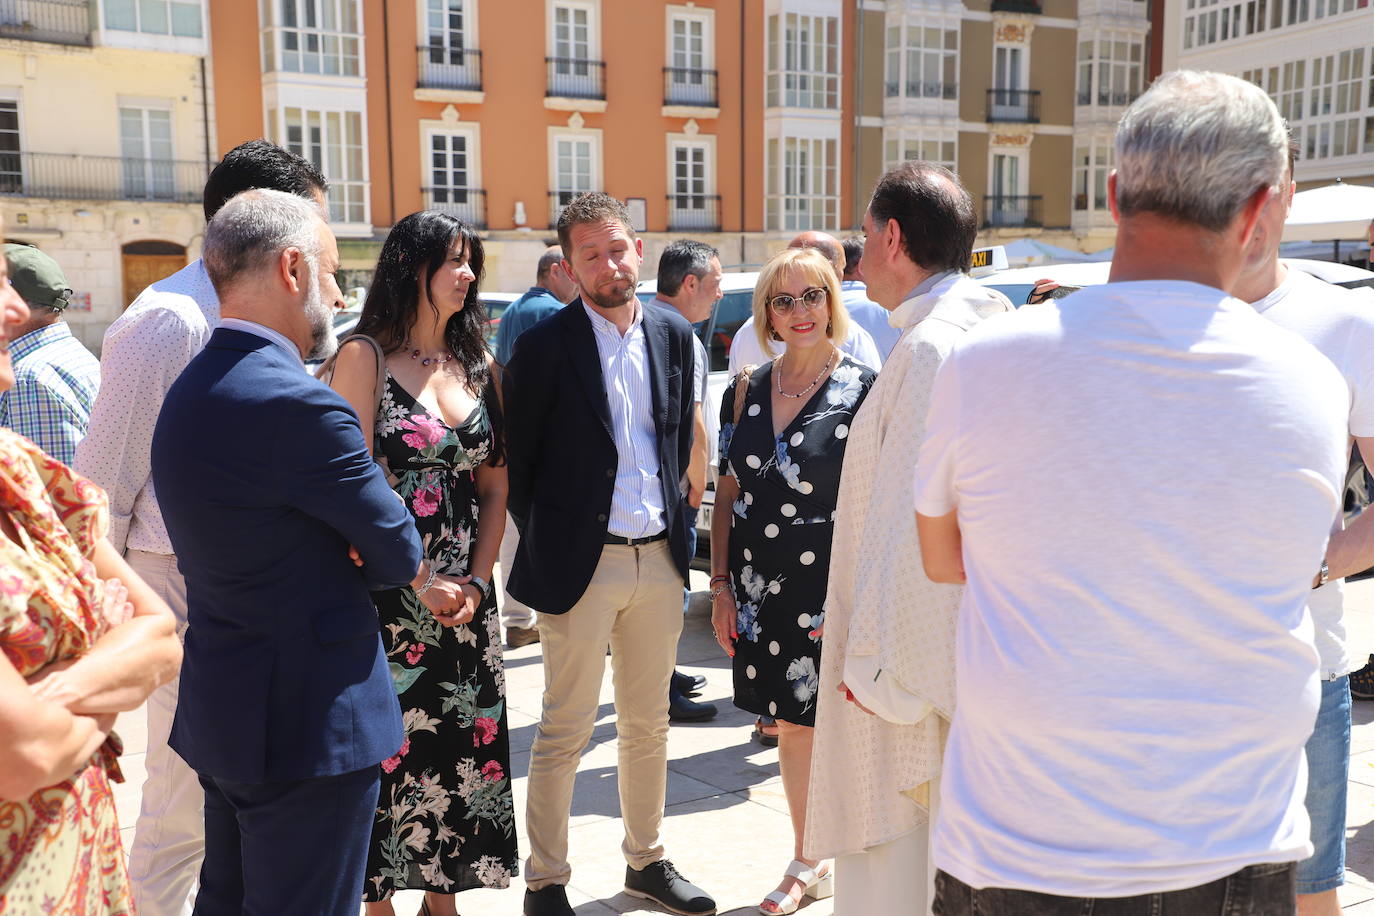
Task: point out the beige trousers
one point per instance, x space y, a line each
893 877
634 605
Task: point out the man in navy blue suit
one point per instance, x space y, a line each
286 705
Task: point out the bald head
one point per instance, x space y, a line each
551 276
826 244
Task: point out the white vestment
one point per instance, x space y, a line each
869 776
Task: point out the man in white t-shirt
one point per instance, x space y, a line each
1136 676
1341 326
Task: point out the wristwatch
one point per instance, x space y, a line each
1323 575
482 586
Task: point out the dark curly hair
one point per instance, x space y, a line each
413 252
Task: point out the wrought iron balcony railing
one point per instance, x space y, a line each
1017 105
1017 6
450 68
690 86
62 22
466 204
62 176
693 212
576 78
920 89
1015 211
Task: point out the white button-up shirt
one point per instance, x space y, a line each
266 333
143 353
637 508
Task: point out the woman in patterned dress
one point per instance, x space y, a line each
770 555
82 638
445 818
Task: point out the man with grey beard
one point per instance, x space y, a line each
286 706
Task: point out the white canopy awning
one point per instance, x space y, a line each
1337 211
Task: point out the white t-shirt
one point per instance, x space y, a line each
1339 324
1145 475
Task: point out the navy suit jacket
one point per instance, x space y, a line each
561 457
264 479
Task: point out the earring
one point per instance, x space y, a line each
773 334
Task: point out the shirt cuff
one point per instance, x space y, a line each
863 675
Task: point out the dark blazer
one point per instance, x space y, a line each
561 455
264 480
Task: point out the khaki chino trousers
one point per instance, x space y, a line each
634 605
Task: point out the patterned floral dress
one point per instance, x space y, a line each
780 532
59 848
445 817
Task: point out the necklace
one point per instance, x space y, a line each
430 360
814 382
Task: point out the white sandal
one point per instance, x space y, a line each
816 886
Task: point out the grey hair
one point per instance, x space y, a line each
1196 146
249 233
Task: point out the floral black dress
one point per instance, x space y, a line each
780 532
445 818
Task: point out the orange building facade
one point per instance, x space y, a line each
499 111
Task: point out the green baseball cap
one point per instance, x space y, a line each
37 277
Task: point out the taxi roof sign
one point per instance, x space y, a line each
988 261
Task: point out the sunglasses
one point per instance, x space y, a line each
812 299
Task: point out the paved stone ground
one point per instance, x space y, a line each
727 826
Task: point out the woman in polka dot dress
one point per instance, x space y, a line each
770 537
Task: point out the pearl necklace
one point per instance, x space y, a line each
814 382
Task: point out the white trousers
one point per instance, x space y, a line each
169 842
894 877
513 613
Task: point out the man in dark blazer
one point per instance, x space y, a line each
286 706
599 428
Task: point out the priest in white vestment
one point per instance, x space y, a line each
887 665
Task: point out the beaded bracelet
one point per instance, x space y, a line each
718 589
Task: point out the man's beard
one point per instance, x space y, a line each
609 300
323 342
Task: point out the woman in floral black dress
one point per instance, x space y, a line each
770 551
445 819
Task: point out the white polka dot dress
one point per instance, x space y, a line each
782 523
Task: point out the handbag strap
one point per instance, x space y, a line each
326 372
741 390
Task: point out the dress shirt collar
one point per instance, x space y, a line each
918 303
21 347
847 285
252 327
605 326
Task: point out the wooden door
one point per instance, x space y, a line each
141 270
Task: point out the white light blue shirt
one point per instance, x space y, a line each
263 331
637 509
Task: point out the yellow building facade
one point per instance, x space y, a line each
104 142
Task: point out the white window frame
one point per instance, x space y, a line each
677 89
903 137
153 41
704 15
471 35
776 193
1022 158
274 40
682 217
799 86
904 51
323 103
13 94
138 17
149 178
593 8
1096 212
1099 62
474 211
590 134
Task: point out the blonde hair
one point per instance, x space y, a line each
815 268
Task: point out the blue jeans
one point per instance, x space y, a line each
1328 768
1258 890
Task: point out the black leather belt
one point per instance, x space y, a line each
636 542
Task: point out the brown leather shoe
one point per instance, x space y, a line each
521 636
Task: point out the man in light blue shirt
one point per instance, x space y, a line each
869 314
552 290
55 377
